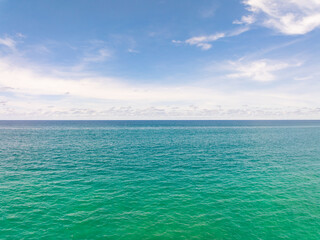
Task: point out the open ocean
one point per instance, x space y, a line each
160 180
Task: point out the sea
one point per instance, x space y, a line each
160 180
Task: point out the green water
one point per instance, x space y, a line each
160 180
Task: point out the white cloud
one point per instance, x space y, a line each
204 42
8 42
304 78
204 46
20 35
238 31
245 20
99 56
208 11
290 17
33 92
22 80
27 111
262 70
131 50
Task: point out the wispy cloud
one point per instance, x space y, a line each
8 42
204 41
31 91
208 10
43 95
245 20
262 70
20 35
130 50
290 17
99 55
22 80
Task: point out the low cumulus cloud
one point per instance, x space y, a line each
160 112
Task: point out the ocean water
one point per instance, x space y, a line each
160 180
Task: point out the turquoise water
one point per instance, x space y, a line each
160 180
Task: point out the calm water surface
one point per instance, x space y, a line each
160 180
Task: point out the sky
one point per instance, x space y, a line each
159 59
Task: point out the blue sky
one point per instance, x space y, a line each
161 59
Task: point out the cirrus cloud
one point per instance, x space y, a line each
290 17
8 42
262 70
204 41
